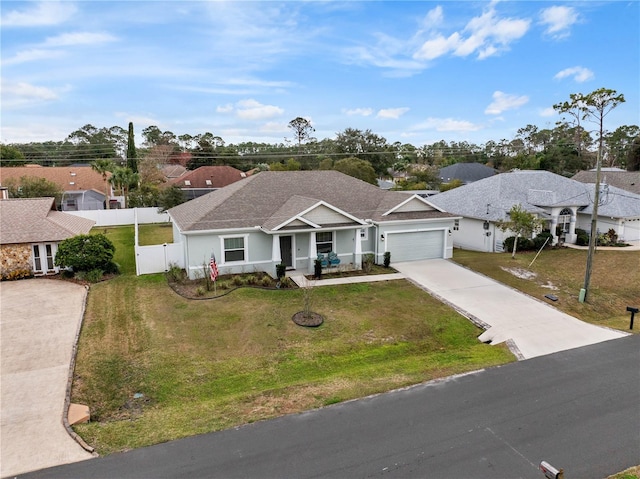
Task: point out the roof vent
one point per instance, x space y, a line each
187 183
208 182
243 174
73 173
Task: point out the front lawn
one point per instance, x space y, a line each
154 366
614 284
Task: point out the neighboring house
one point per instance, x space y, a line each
172 171
206 179
83 188
564 204
30 230
625 180
291 216
465 172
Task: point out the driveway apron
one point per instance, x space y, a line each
530 327
39 321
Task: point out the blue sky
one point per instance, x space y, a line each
414 72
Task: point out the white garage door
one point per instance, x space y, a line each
632 230
415 245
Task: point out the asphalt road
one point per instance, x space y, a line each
576 409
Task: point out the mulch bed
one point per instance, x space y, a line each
309 320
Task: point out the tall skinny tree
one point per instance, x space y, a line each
594 107
132 156
302 130
521 222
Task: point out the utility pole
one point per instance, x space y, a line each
593 237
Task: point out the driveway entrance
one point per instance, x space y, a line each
39 320
531 327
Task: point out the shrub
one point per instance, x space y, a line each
281 270
285 282
387 259
539 240
368 261
238 280
317 268
524 244
85 253
251 279
176 274
266 281
94 275
200 291
582 237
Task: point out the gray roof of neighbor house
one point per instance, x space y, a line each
269 198
35 220
491 198
466 172
626 180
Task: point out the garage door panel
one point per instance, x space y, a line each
416 245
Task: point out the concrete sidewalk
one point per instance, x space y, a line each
531 327
39 321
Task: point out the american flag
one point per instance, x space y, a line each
213 267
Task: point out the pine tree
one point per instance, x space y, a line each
132 160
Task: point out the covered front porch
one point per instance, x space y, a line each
338 247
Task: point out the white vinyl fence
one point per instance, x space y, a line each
122 217
149 259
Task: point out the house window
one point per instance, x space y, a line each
49 252
364 234
324 242
456 225
37 259
564 220
234 249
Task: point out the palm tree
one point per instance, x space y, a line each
103 166
124 178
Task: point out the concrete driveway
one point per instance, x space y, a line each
39 322
530 327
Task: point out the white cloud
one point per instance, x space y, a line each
252 110
21 93
78 38
224 108
41 14
358 111
32 55
446 124
547 112
558 20
505 101
274 127
485 35
579 74
392 113
433 18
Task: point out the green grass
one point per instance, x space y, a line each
208 365
614 280
122 237
158 233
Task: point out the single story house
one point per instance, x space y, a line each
465 172
563 203
291 217
206 179
83 188
30 230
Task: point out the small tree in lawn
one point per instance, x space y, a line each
86 253
521 222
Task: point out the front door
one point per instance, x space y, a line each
286 251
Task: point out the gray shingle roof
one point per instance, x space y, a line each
32 220
626 180
615 203
466 172
492 197
265 200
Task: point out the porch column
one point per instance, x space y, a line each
553 226
571 236
276 256
357 253
313 249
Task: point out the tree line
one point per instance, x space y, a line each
565 149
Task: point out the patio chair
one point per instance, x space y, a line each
333 259
324 261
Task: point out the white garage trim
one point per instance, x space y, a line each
412 245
